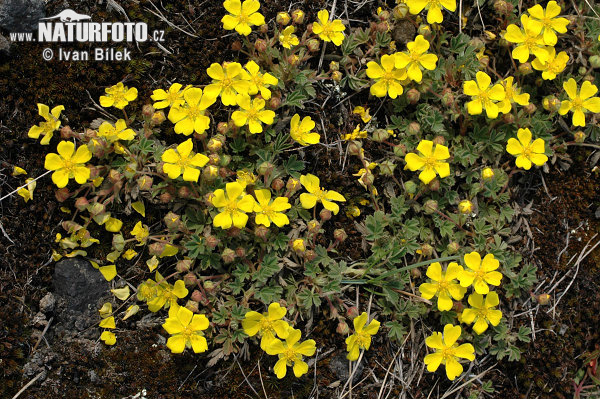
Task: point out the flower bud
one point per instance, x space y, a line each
313 226
415 273
293 59
148 111
211 241
411 187
484 61
172 221
183 265
325 214
66 132
165 198
156 248
426 250
114 176
589 78
210 172
465 207
197 296
413 96
225 160
380 135
386 168
543 299
157 118
502 7
413 128
434 185
265 168
487 174
354 147
313 45
383 26
222 127
233 232
277 184
260 45
551 103
261 232
310 255
214 145
477 43
582 70
530 108
298 245
579 136
336 76
340 235
352 312
240 252
209 285
452 247
431 206
447 98
508 118
298 16
264 28
400 11
213 159
525 69
594 61
184 192
425 30
283 18
292 185
275 102
342 328
228 255
439 140
400 150
334 66
236 45
192 306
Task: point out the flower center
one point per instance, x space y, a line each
289 355
320 194
68 164
231 206
430 162
447 353
194 111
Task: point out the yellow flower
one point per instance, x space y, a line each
482 311
18 171
167 294
243 14
118 96
140 232
68 165
268 324
287 37
329 31
27 191
526 151
430 161
51 123
528 39
108 322
480 273
483 96
148 290
579 101
189 117
129 254
186 329
363 113
232 207
555 64
183 161
387 77
267 211
301 131
416 58
512 95
171 98
317 194
361 339
356 134
251 113
117 132
487 174
298 245
108 337
443 285
365 172
447 351
245 178
259 81
227 82
465 206
547 18
434 7
290 353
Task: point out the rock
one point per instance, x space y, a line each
4 46
78 283
339 365
47 303
21 15
404 32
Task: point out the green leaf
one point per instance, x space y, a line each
375 225
309 298
267 269
195 246
296 99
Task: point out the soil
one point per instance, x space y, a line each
74 364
